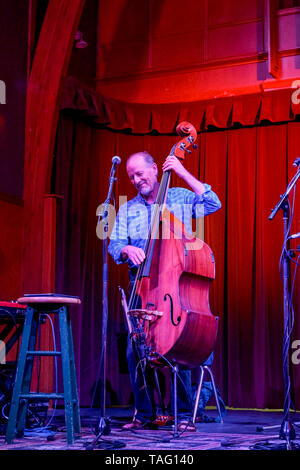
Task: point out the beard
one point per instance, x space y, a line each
145 189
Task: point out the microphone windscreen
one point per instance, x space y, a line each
116 160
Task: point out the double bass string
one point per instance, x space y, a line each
138 333
152 235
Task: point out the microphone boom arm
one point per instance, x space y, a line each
284 196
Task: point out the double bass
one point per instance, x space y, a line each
169 303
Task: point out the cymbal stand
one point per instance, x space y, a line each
287 430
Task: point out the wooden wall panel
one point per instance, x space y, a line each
176 18
177 50
204 49
122 20
119 60
289 30
230 11
242 40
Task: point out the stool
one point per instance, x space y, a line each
204 368
36 306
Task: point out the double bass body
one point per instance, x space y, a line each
177 288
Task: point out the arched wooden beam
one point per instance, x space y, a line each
45 83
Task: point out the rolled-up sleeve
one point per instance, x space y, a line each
205 203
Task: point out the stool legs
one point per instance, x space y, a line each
69 376
198 393
18 408
202 370
215 392
76 410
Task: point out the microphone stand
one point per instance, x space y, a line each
287 430
103 427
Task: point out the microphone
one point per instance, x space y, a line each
116 160
296 235
296 162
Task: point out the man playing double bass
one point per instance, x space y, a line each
127 244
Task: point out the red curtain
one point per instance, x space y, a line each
249 169
251 109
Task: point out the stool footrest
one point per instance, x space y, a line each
43 353
49 396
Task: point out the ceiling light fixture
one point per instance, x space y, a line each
80 42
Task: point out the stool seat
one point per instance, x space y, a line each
47 299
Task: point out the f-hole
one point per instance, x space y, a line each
172 310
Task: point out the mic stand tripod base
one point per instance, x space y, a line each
287 431
103 427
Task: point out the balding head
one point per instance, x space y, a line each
145 155
142 172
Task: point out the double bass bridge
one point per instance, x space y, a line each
145 314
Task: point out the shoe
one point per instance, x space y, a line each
187 426
134 424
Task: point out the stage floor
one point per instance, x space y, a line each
237 432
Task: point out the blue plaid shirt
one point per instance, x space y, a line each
133 220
